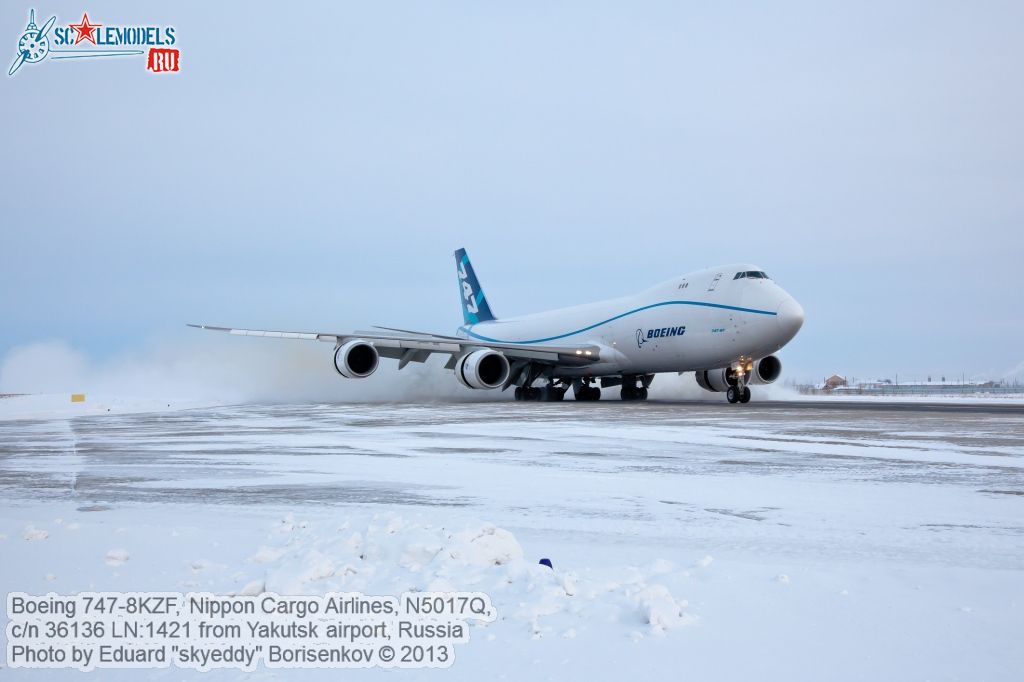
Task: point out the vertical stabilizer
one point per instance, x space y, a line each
474 303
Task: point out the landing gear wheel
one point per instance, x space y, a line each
732 395
529 393
553 393
633 393
588 393
745 396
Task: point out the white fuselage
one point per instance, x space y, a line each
702 320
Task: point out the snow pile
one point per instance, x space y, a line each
660 608
117 557
33 534
388 554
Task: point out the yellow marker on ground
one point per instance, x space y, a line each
78 397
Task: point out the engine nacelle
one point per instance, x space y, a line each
356 359
716 380
765 371
482 368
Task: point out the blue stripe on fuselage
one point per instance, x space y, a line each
619 317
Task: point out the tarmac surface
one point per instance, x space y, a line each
878 406
255 454
882 540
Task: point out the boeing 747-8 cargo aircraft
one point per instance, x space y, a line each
724 323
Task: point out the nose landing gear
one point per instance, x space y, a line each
738 395
739 392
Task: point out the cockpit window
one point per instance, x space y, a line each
752 274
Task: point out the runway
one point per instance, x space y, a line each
892 528
280 450
877 405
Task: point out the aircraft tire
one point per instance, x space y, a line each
553 394
745 396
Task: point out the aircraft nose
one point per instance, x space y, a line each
790 317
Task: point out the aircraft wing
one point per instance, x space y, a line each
408 346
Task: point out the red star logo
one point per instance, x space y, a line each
85 30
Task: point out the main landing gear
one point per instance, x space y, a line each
584 389
553 391
550 393
634 387
526 374
633 393
527 393
630 389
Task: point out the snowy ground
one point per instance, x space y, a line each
690 541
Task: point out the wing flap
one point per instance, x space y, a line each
270 334
276 335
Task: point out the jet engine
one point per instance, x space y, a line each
765 371
482 368
716 380
356 359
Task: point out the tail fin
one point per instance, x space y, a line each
474 304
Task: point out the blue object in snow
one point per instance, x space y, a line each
546 562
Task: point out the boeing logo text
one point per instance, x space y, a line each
665 331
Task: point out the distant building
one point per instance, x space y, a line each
838 386
834 382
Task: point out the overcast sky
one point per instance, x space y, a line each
315 169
